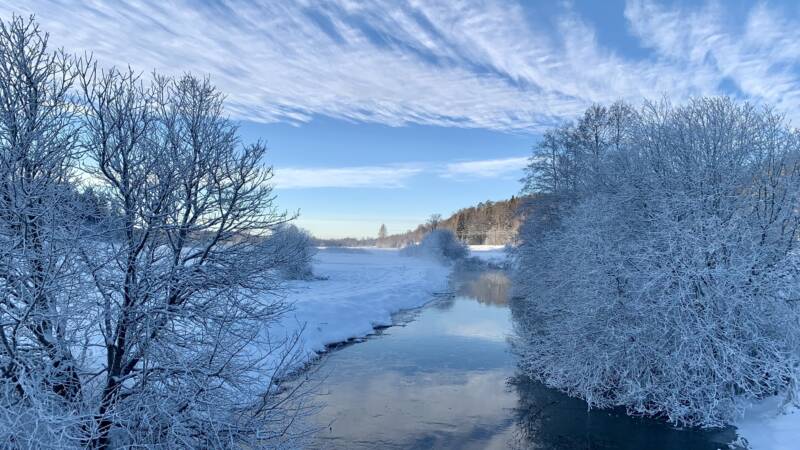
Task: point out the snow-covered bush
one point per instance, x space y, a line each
293 248
440 244
665 278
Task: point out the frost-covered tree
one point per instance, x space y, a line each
433 221
567 160
293 250
134 313
382 233
40 285
667 280
179 278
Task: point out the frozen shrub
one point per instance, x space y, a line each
665 279
294 251
440 244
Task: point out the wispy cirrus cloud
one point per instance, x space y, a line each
386 176
467 63
759 56
392 176
488 168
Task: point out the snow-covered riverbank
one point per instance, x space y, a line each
769 426
359 289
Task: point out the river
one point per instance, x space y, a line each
444 377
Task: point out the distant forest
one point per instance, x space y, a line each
487 223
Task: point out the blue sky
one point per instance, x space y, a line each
388 111
347 178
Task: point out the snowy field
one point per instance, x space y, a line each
361 289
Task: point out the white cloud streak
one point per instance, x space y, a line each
392 176
489 168
466 63
387 177
760 56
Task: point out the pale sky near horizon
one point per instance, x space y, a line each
389 111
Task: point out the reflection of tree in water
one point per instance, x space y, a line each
548 419
489 287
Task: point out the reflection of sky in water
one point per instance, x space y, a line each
442 381
457 408
490 287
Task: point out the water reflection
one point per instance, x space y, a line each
491 287
446 379
452 409
548 419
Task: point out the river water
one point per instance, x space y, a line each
444 377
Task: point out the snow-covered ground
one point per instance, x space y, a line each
768 426
362 288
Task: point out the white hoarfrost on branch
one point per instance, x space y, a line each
135 313
294 249
658 268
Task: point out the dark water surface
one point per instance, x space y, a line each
444 378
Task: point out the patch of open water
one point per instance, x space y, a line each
444 377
